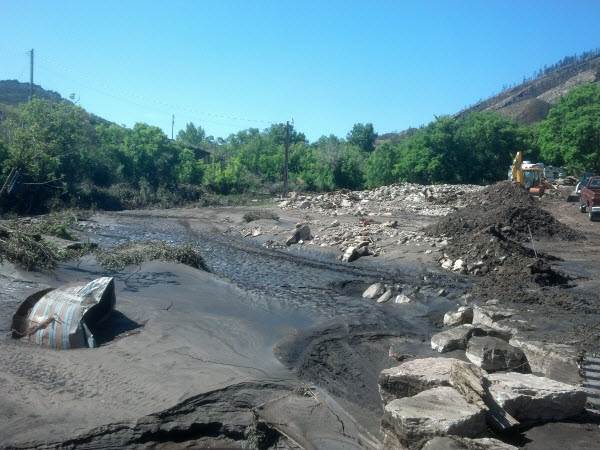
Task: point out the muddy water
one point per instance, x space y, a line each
307 306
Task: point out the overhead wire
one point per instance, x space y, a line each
142 102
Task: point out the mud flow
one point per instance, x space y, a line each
275 346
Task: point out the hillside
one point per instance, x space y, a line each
530 101
13 92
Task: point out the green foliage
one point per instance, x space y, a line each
68 158
477 148
570 135
363 136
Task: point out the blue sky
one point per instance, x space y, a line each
230 65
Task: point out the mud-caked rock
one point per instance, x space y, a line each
413 377
439 411
460 317
555 361
452 339
503 319
301 233
386 296
530 398
374 291
354 252
493 354
462 443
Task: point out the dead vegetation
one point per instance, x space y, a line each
118 258
27 250
26 243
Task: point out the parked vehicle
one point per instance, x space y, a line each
582 182
589 199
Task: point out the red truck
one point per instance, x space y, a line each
589 199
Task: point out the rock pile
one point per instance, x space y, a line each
383 293
434 200
429 402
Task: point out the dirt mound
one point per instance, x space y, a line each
494 236
508 209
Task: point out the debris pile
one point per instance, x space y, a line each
433 200
498 227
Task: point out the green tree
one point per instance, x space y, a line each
380 165
570 135
363 136
192 135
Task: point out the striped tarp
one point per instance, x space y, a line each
64 318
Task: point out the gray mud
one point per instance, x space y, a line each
272 348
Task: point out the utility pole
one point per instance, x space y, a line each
286 157
30 74
172 125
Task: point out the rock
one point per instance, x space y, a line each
354 252
413 377
461 443
502 319
447 263
473 384
301 233
385 297
532 399
436 412
484 330
491 314
453 339
375 290
458 265
335 223
493 354
556 361
391 224
304 205
402 298
346 203
462 316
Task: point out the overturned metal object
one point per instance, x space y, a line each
66 317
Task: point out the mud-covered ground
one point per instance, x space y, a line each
271 335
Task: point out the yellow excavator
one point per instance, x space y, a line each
528 175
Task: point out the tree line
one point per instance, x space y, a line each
65 156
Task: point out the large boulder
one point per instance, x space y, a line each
413 377
301 233
462 443
462 316
556 361
453 339
530 398
493 354
436 412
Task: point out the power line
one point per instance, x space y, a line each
157 102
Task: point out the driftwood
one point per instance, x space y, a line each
472 383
